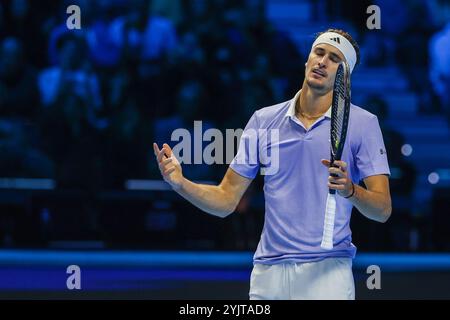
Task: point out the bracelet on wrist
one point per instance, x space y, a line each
353 192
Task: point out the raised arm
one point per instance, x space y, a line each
218 200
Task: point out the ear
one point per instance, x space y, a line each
306 63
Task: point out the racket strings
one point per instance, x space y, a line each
337 126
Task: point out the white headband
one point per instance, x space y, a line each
340 42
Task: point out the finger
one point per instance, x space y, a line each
334 165
161 155
341 164
337 180
166 161
326 162
168 150
162 167
336 186
168 171
155 149
336 171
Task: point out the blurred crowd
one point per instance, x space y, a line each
83 106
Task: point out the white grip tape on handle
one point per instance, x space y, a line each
328 226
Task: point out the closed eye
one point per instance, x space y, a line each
319 51
333 57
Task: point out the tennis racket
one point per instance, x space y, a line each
340 111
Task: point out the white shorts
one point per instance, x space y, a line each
328 279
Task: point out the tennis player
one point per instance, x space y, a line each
289 262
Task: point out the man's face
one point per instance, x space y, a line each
321 67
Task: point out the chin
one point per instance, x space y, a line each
315 85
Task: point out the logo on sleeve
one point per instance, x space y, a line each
382 151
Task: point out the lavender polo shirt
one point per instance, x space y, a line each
296 192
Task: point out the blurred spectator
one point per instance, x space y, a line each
257 90
285 63
126 30
170 9
72 142
414 39
439 12
104 28
288 65
402 183
375 50
104 50
20 15
71 77
18 91
405 176
398 9
353 12
137 33
19 105
23 20
127 144
189 103
127 139
379 46
19 153
199 17
440 67
70 124
55 27
159 38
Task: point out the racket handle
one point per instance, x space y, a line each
328 225
332 191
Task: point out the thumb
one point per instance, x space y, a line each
326 162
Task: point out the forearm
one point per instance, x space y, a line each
373 205
211 199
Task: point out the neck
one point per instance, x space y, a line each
312 103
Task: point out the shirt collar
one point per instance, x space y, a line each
291 110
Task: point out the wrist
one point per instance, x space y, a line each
352 192
179 186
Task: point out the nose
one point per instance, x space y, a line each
323 62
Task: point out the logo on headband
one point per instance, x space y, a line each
338 40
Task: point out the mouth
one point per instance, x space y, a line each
319 72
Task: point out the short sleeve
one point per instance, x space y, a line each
371 157
246 162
